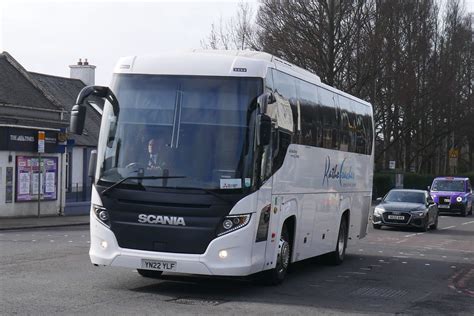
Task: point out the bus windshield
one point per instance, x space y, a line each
199 128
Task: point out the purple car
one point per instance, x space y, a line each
452 194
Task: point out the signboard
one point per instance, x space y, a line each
41 139
23 139
28 180
454 153
391 164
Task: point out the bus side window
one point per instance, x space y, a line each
284 140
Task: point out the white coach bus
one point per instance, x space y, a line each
225 163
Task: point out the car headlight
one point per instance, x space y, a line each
378 211
232 223
459 199
101 214
419 213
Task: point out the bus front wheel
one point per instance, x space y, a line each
276 275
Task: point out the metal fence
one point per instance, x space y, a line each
78 193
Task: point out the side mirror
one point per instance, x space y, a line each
378 200
78 112
429 188
78 119
264 100
264 129
92 164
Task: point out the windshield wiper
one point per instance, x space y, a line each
139 178
211 193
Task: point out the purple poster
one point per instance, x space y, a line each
29 179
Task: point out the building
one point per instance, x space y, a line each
29 103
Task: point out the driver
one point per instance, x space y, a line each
156 147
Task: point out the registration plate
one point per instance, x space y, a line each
443 206
447 200
159 265
399 217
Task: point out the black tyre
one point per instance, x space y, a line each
470 210
276 275
376 226
337 257
150 273
425 226
435 224
464 212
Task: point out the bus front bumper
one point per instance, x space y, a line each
105 250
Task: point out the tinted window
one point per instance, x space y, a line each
323 118
406 197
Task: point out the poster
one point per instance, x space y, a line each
29 181
9 185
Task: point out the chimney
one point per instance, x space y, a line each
83 71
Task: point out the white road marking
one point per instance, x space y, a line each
467 223
358 273
401 257
427 264
422 255
51 241
361 249
366 269
453 267
411 235
404 262
375 265
449 227
444 257
33 240
380 251
70 241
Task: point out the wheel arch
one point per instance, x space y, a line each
290 223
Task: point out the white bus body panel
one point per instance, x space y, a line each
241 259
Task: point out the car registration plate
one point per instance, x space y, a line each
447 200
399 217
159 265
443 206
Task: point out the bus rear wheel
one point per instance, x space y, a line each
337 257
276 275
150 273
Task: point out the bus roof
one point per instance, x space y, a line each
237 63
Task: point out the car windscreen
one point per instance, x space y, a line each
448 185
405 196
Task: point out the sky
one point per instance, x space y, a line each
49 35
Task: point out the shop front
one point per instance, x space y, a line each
31 183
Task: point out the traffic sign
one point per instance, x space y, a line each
41 138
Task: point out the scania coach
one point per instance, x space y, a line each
225 163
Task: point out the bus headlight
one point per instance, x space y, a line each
232 223
101 214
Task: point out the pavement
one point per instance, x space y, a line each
42 222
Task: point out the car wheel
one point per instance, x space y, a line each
276 275
464 212
150 273
337 257
470 210
376 226
435 224
425 226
